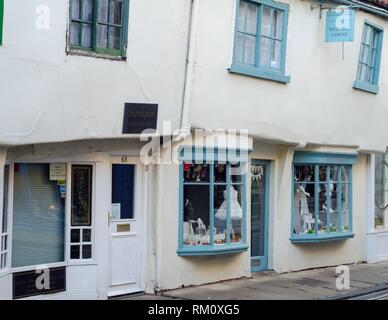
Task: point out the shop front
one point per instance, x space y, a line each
72 226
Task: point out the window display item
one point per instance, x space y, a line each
235 208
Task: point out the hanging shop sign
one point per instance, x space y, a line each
139 117
340 24
57 171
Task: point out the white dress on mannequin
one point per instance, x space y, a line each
235 207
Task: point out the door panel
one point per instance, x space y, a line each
259 215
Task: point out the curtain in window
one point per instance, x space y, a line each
38 217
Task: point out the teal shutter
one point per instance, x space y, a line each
124 29
38 217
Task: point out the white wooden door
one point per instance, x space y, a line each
126 225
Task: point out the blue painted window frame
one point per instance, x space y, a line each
256 70
210 156
372 66
316 159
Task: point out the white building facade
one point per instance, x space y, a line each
303 186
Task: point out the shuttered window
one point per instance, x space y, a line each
38 217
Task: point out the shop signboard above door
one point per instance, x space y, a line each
340 24
139 117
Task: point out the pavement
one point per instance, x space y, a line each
366 280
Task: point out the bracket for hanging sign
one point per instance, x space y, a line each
322 7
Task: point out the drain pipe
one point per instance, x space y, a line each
185 125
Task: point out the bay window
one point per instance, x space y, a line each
212 206
322 197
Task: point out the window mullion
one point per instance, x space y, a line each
328 199
211 203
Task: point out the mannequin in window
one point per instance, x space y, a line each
235 209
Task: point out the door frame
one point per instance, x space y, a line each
264 259
140 215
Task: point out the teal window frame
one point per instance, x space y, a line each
94 49
1 20
256 70
210 156
373 67
316 159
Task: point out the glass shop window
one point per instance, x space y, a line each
381 192
81 212
38 216
213 204
322 199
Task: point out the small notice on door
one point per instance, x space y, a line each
116 210
57 171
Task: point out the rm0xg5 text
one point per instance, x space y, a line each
214 309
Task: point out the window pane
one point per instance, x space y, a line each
364 54
86 251
236 213
115 11
81 200
102 36
196 172
334 216
75 235
114 37
75 9
220 213
74 252
219 173
75 30
38 217
236 172
381 191
276 54
266 21
368 31
241 20
345 190
265 52
123 190
240 48
5 199
252 18
304 207
304 174
87 10
322 173
87 36
322 208
196 206
103 11
277 24
86 235
250 49
257 211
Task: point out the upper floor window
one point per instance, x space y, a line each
322 197
99 26
260 39
369 59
